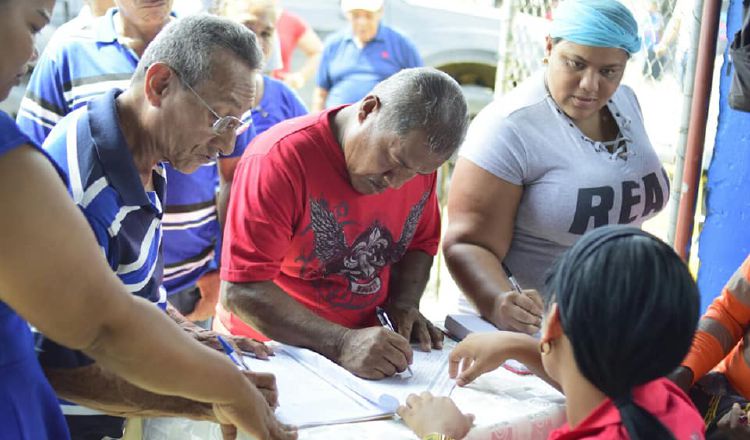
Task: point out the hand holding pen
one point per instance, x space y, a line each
264 382
385 321
518 310
229 350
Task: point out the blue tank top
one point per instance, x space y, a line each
28 406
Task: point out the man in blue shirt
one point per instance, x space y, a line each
357 58
85 59
183 105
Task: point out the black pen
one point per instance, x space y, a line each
512 279
385 321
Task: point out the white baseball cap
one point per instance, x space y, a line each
365 5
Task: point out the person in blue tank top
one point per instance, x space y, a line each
53 276
275 101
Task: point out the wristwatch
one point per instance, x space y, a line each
436 436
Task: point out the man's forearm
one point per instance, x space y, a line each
274 313
101 390
409 278
205 337
189 327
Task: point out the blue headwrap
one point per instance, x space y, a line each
600 23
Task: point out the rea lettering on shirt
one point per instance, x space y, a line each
596 203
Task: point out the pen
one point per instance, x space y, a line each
452 388
385 321
512 279
231 353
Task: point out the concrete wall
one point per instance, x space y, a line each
725 240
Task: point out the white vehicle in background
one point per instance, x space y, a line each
458 37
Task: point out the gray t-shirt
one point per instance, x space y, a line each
571 184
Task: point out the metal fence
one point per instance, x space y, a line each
663 25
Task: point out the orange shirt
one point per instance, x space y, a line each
720 340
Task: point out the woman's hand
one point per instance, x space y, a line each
477 354
480 353
521 312
426 414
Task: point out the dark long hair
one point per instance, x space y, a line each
629 307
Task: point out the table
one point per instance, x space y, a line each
507 407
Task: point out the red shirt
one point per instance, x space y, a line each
660 397
294 218
290 28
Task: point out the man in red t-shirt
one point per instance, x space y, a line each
335 214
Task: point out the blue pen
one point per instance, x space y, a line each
231 353
385 321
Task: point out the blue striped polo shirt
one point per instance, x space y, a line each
82 60
192 234
126 219
85 60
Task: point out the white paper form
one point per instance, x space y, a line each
430 374
306 399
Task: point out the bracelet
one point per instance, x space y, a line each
436 436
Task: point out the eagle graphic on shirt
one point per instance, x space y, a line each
362 261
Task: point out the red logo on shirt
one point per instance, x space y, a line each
385 55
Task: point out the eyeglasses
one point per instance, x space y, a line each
223 124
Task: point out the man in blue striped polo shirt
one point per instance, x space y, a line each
190 87
86 58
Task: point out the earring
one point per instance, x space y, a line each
545 347
545 60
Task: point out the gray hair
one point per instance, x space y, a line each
424 99
189 45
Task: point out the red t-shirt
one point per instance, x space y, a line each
294 218
290 28
660 397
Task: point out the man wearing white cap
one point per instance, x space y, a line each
355 59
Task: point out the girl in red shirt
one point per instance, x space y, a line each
620 316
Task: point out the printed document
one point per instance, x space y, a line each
315 391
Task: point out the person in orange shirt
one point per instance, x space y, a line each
716 369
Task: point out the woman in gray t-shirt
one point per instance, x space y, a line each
563 153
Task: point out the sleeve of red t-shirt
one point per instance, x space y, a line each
427 236
297 26
262 211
